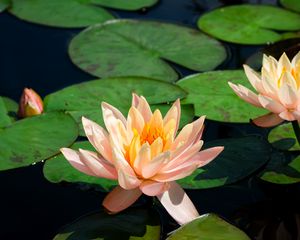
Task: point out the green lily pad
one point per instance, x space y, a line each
4 4
139 48
284 174
248 24
208 227
59 13
132 224
8 110
291 4
212 96
283 131
58 169
35 139
84 99
124 5
236 162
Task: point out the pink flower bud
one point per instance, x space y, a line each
30 104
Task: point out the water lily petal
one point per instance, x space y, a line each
142 106
181 158
96 164
156 147
175 174
126 176
246 94
284 64
142 158
153 188
205 156
268 120
174 113
271 104
287 115
296 61
254 79
150 168
135 121
119 199
74 159
98 137
178 204
288 92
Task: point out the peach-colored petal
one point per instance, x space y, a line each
174 113
175 174
287 115
178 204
187 136
142 106
181 158
269 83
142 158
205 156
254 79
296 61
135 121
156 147
126 176
150 168
153 188
284 64
98 137
245 94
268 120
119 199
74 159
96 164
271 104
115 123
288 93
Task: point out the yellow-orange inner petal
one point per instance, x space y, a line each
157 134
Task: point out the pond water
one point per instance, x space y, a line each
32 208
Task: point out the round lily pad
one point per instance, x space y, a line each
124 5
139 48
283 174
84 99
4 4
212 96
208 227
291 4
58 169
133 224
283 131
236 162
249 24
8 109
59 13
35 139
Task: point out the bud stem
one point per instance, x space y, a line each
296 130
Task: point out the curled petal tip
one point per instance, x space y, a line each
30 104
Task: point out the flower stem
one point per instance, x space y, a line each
296 130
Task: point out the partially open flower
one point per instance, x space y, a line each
30 104
278 90
145 155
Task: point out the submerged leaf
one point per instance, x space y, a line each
139 48
132 224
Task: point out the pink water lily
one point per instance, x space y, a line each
278 89
30 104
145 155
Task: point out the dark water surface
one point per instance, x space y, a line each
36 56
